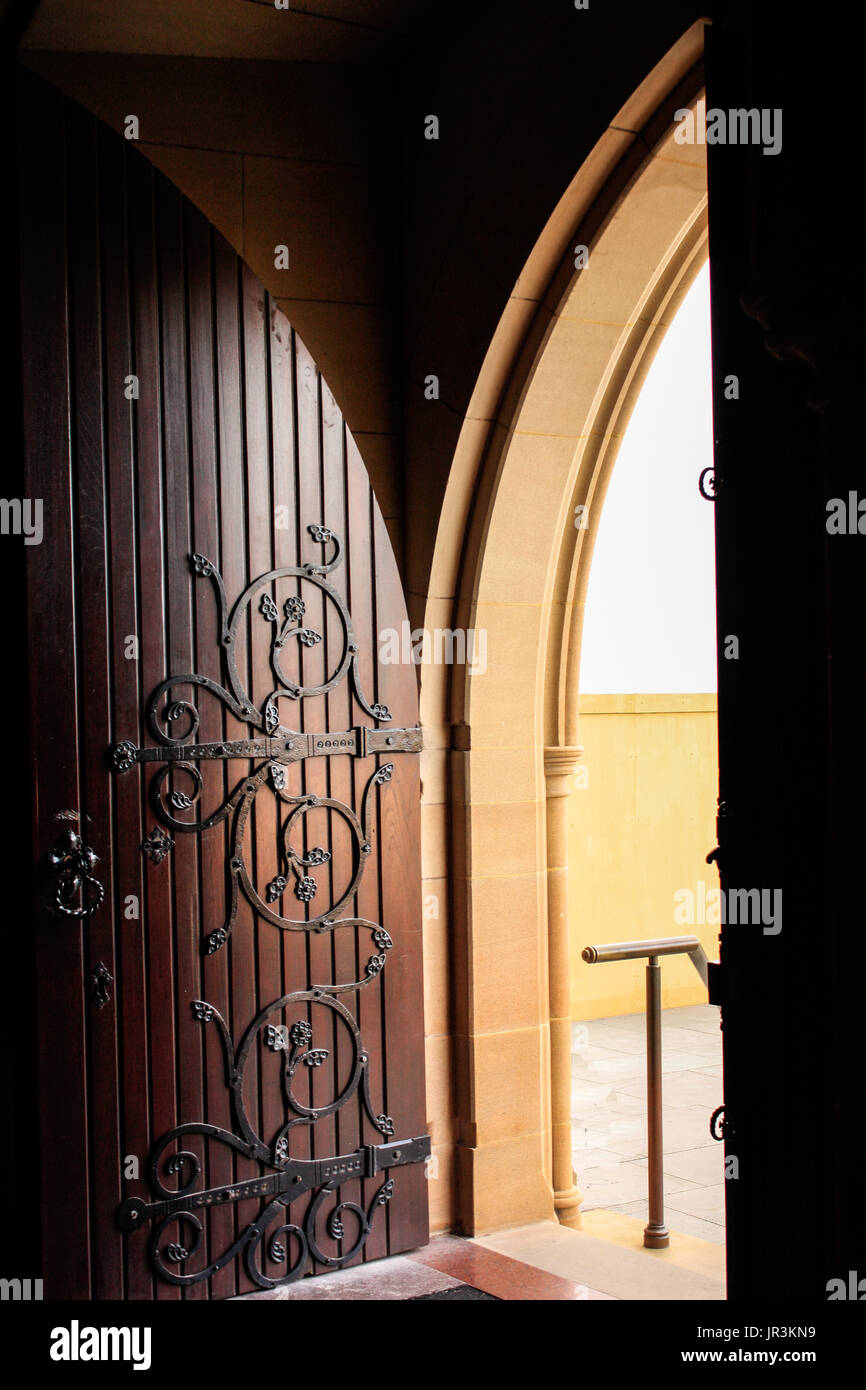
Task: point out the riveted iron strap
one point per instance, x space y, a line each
297 1178
290 747
269 1234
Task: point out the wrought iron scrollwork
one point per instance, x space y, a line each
157 845
100 978
720 1126
709 484
303 1044
274 750
76 891
288 1179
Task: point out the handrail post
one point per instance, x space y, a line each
656 1235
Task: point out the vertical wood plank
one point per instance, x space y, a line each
157 906
130 987
400 860
345 953
96 810
235 570
53 676
207 642
368 896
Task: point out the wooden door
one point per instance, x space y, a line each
775 830
231 1028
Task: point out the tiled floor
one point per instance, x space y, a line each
448 1267
540 1262
609 1117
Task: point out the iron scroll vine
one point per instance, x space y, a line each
271 749
289 1178
275 748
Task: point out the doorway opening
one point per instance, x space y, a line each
641 812
538 445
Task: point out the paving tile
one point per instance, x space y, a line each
706 1202
589 1095
630 1026
704 1166
592 1053
678 1221
614 1067
680 1089
699 1011
633 1043
603 1187
586 1139
706 1025
592 1159
692 1040
675 1060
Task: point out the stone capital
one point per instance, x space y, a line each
561 761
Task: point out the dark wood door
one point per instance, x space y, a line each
231 1029
775 829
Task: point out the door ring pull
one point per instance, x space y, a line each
71 865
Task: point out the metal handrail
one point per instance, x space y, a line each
656 1235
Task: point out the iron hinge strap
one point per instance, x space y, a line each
398 1152
286 747
297 1177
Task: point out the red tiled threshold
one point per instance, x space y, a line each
499 1275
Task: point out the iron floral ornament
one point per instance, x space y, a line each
274 749
288 1179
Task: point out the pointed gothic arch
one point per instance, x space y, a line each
540 438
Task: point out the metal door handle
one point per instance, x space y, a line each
76 892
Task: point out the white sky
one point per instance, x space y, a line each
650 613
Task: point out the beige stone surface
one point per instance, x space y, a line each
437 959
327 215
531 506
506 1074
639 832
606 1264
440 1191
506 922
211 179
501 708
229 104
381 454
234 28
504 774
434 776
504 842
434 841
504 1184
440 1096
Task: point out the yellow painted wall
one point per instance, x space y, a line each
639 830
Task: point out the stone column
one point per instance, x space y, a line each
559 766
